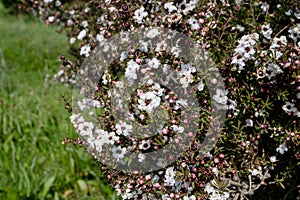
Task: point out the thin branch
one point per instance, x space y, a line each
285 196
279 33
250 183
252 12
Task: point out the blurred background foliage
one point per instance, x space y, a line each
33 122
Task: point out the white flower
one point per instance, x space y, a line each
266 31
112 9
85 50
276 53
281 149
85 129
189 198
51 19
214 193
170 6
278 42
179 129
73 117
289 12
57 3
153 33
249 122
186 79
149 102
221 96
289 107
170 176
249 51
118 152
240 28
76 119
99 38
153 63
187 69
129 195
297 13
261 72
161 46
232 104
255 172
131 70
81 35
95 104
176 51
148 177
70 22
181 103
209 189
139 14
273 159
123 56
102 136
200 86
165 197
239 60
295 33
185 7
112 138
157 90
84 24
150 81
83 104
72 40
264 6
105 77
194 23
274 69
88 103
145 145
72 12
141 157
215 171
238 2
245 50
143 46
186 74
123 128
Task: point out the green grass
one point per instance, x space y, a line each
33 122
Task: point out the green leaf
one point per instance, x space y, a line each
281 185
48 184
82 186
27 181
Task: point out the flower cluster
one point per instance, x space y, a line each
256 48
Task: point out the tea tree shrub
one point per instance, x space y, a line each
255 46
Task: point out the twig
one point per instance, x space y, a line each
250 183
279 33
285 196
252 12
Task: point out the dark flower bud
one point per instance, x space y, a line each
122 14
124 7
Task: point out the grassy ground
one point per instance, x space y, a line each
33 122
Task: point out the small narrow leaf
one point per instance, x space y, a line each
48 184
